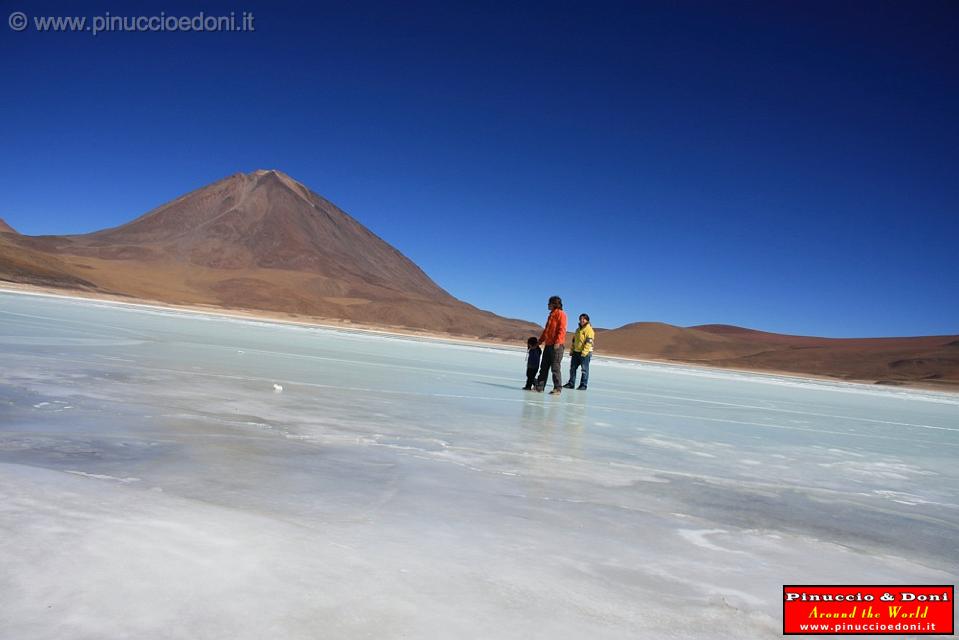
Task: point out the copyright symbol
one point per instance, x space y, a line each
17 21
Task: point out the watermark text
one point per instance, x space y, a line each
109 23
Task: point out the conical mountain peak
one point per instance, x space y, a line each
266 219
274 175
257 240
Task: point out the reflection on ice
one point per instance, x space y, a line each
155 481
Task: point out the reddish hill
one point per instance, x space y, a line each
755 336
5 228
742 333
931 360
256 241
659 340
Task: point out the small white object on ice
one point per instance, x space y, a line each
278 387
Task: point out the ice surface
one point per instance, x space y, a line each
154 484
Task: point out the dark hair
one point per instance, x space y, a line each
584 315
557 301
532 341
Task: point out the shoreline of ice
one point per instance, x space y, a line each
758 376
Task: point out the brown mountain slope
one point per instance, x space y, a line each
742 333
753 335
659 340
33 267
256 241
931 360
5 228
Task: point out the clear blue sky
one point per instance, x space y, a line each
788 166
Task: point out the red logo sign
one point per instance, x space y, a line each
868 609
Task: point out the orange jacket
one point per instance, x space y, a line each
555 331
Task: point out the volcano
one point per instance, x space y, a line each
256 241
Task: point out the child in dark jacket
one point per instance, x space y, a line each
533 353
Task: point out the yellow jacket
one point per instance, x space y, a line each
583 340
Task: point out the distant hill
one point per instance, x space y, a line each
259 241
931 360
659 340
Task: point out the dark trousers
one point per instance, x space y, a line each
576 361
530 377
552 359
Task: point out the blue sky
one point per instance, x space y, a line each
787 166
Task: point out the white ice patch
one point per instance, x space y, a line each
101 476
700 539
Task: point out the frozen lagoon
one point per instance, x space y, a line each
153 484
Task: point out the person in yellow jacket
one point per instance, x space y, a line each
582 350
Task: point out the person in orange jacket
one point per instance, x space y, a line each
552 340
